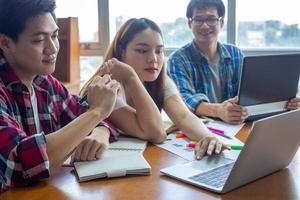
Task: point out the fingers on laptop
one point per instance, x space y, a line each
233 100
216 146
200 148
235 119
237 116
220 146
294 103
234 114
237 108
209 145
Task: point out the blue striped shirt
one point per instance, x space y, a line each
190 71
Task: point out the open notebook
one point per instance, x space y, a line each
124 157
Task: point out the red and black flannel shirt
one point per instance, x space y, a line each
23 151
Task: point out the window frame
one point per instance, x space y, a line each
232 36
98 48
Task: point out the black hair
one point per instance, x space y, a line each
203 4
14 14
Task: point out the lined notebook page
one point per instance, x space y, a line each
124 146
127 143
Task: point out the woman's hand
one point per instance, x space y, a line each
118 70
209 145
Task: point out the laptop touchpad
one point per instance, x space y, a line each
209 162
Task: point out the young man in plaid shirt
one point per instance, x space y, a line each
40 122
206 71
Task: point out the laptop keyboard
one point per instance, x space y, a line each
215 177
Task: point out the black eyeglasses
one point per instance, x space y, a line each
213 21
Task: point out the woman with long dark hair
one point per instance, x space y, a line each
138 51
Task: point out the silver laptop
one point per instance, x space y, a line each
271 146
267 83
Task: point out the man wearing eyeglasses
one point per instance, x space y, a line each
205 70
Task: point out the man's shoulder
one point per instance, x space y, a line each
49 83
183 51
230 47
230 51
5 94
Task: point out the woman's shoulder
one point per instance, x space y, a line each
170 88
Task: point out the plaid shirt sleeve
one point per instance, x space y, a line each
178 71
22 158
71 108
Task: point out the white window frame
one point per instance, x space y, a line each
98 49
232 36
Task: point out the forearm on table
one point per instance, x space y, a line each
62 142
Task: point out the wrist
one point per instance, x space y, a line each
213 109
96 114
217 110
207 136
132 78
101 132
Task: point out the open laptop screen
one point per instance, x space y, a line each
269 79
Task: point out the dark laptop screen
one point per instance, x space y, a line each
269 78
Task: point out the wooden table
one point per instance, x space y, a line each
284 184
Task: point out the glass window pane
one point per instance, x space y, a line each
88 66
223 32
87 13
170 18
268 24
